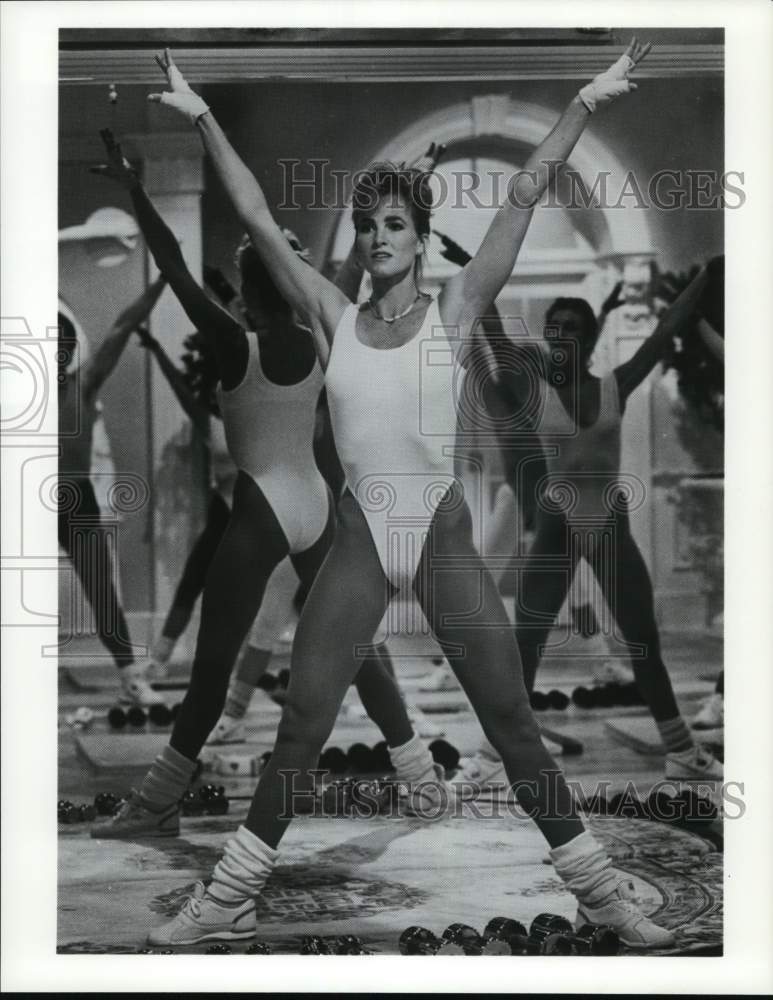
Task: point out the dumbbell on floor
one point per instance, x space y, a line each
513 935
588 940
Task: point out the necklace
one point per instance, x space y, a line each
393 319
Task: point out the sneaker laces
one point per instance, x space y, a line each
628 898
192 905
128 805
703 757
471 768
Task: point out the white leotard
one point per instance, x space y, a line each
270 431
394 423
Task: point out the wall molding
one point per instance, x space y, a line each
385 63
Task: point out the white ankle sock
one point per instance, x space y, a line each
676 737
163 649
242 871
166 781
413 761
238 699
585 867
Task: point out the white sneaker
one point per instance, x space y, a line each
610 671
133 819
135 689
695 763
205 918
477 774
441 679
427 799
620 911
227 730
422 725
711 715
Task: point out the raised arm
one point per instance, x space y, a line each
672 323
468 294
193 408
218 326
105 358
317 301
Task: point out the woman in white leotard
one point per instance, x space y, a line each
383 373
270 382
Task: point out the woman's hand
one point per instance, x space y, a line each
181 97
118 167
614 81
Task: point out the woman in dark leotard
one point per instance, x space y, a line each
270 383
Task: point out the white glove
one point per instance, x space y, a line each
181 97
614 81
188 104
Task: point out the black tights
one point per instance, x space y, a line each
85 540
252 546
197 564
622 575
464 610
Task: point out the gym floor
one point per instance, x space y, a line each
375 877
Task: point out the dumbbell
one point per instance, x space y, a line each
105 803
337 797
219 949
558 700
349 944
588 940
136 717
116 718
418 941
584 697
698 811
539 940
210 800
160 715
315 945
283 678
593 805
267 682
334 760
445 754
523 942
258 948
460 939
503 936
539 701
175 710
360 759
369 797
380 756
626 806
